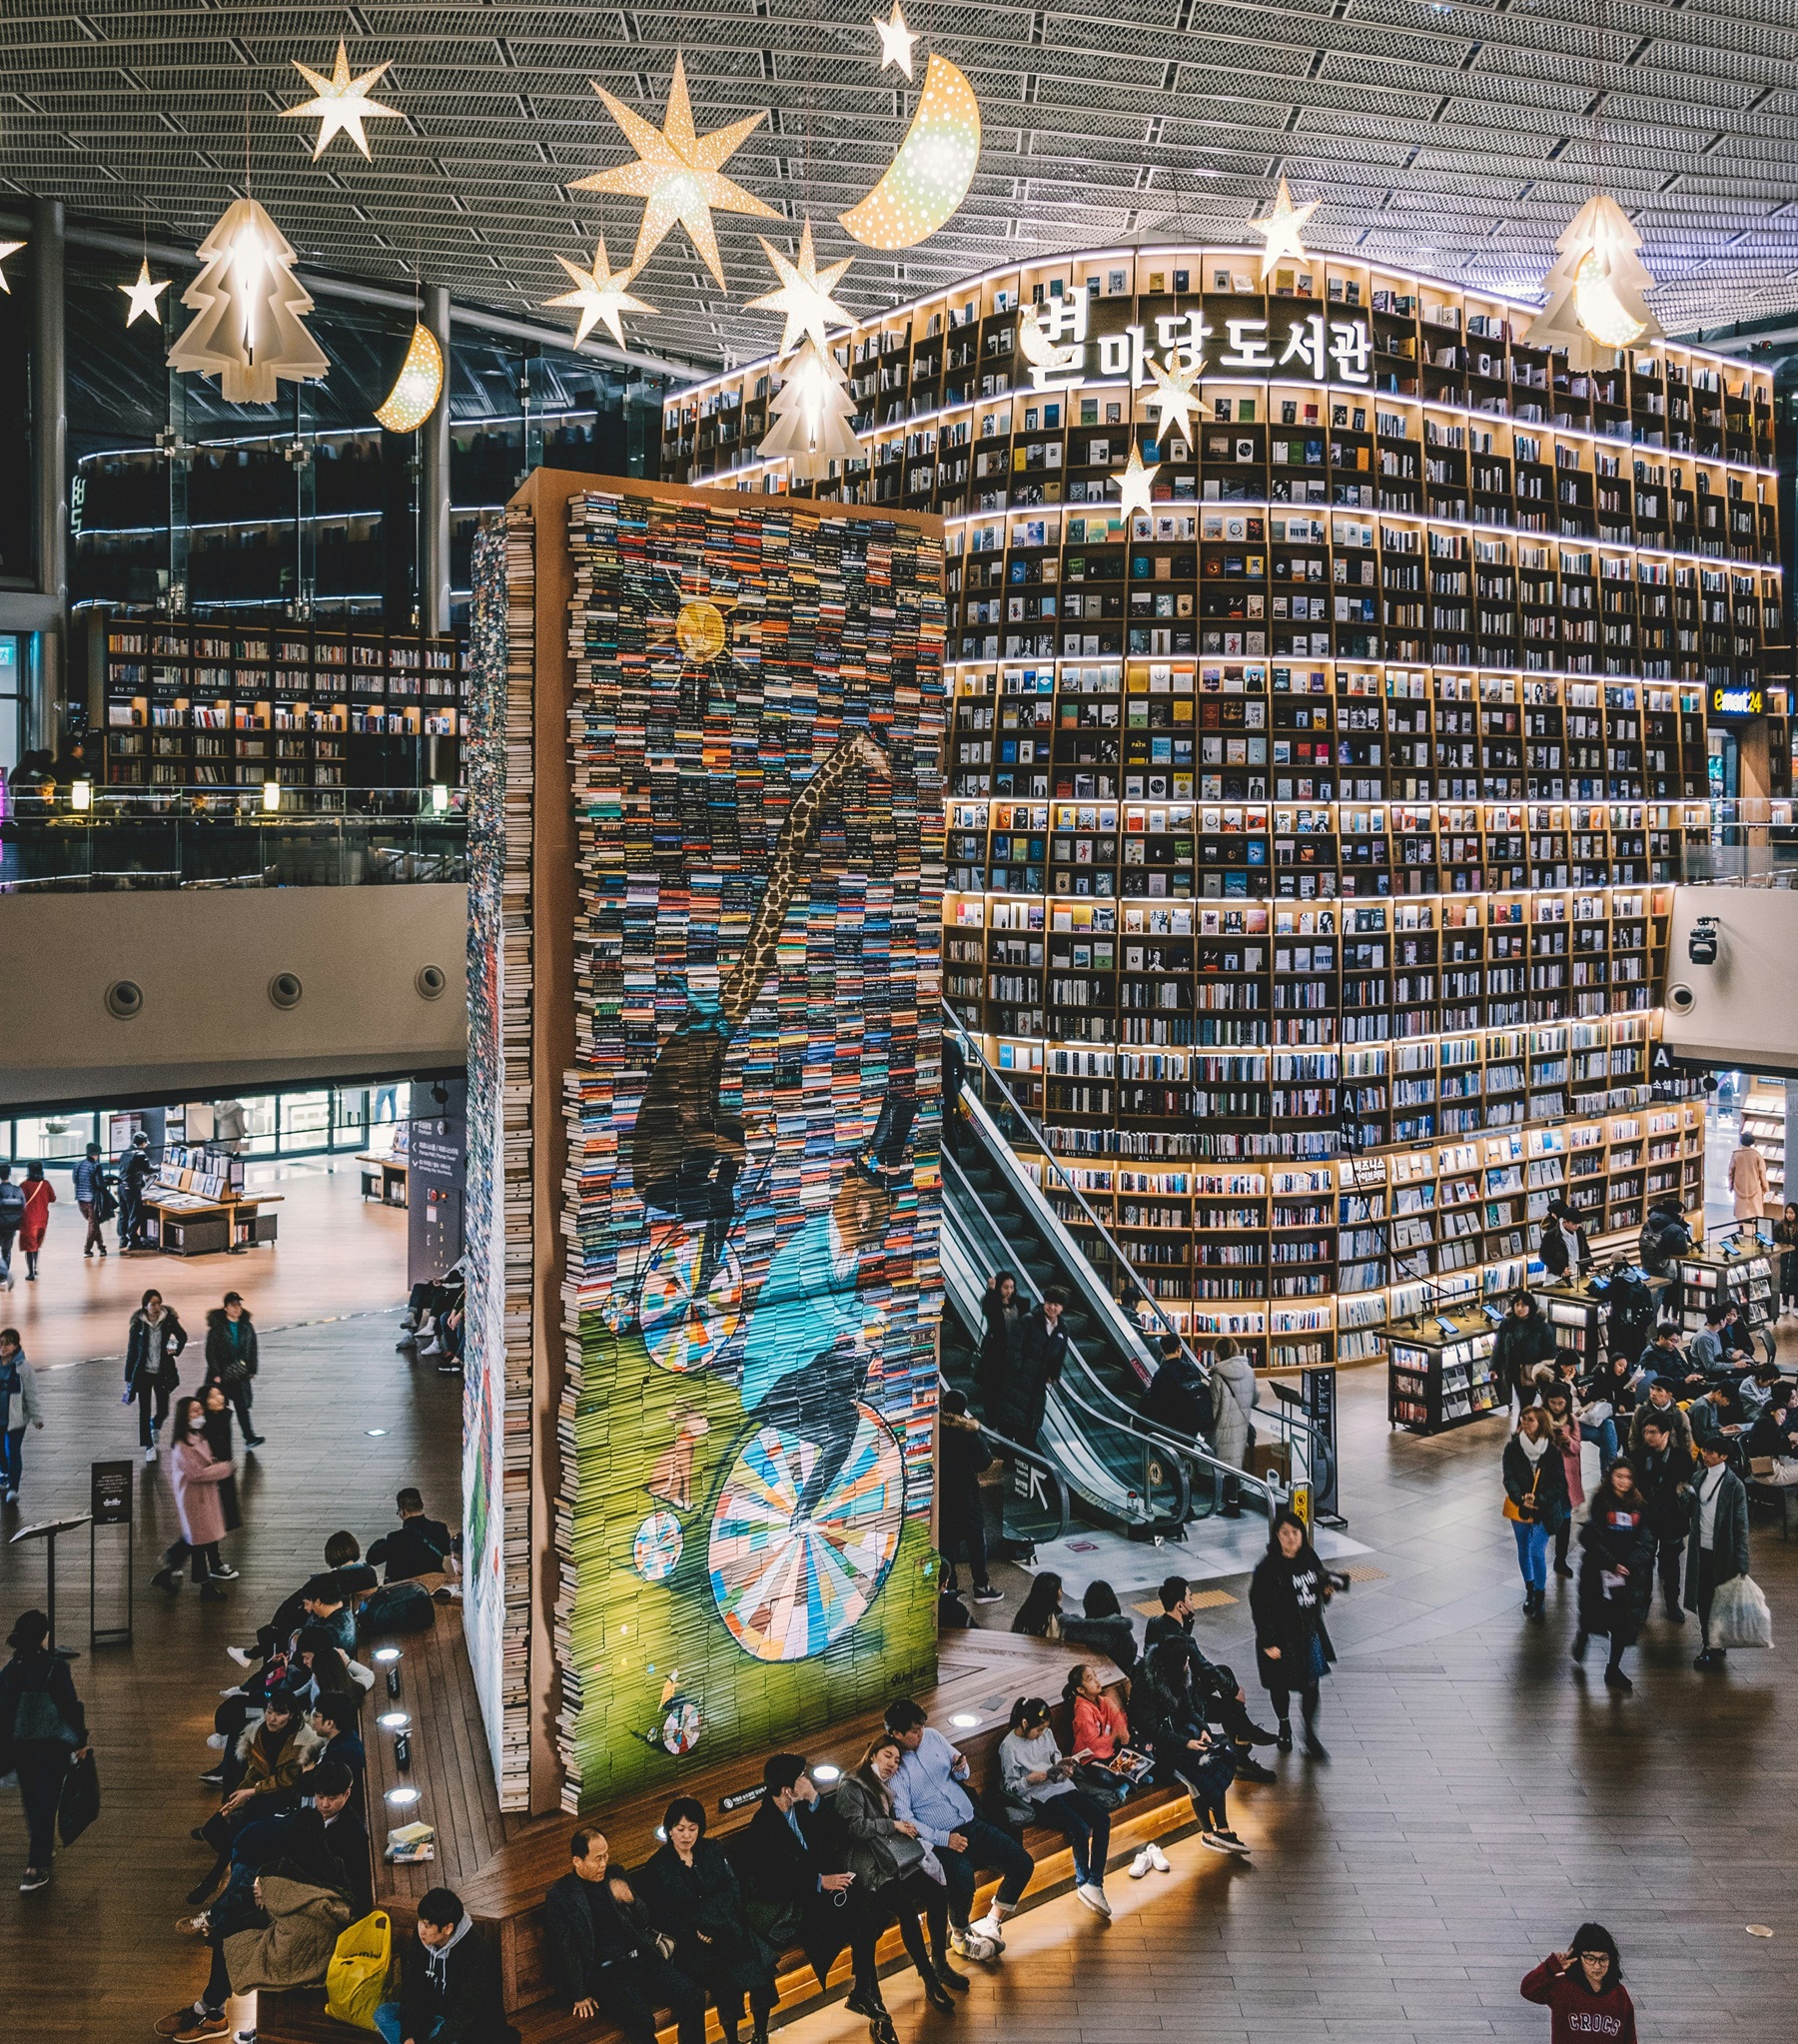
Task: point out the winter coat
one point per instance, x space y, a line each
1234 1393
1664 1237
294 1949
962 1454
704 1899
1179 1397
230 1364
877 1852
1520 1346
1558 1258
20 1408
1543 1483
1616 1536
1114 1637
271 1767
197 1477
998 1345
1578 2015
1748 1182
1662 1478
1287 1601
1566 1439
1042 1350
40 1197
151 1347
1672 1416
1729 1533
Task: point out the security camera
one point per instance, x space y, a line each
1703 941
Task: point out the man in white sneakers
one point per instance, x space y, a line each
929 1791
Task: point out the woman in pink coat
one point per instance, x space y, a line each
1562 1407
40 1197
197 1475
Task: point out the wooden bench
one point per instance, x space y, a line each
503 1867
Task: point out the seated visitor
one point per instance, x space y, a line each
602 1951
450 1986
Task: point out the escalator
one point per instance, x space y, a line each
1119 1470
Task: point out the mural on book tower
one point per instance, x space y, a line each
753 1119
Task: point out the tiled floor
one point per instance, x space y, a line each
1480 1800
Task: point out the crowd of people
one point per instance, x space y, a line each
289 1860
1679 1428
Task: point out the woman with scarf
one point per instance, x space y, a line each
1535 1490
1286 1595
1616 1569
1562 1404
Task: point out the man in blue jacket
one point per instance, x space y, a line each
90 1196
929 1791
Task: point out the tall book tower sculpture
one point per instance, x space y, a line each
727 1038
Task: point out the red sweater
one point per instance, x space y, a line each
1579 2014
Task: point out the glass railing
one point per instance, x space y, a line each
1741 842
233 837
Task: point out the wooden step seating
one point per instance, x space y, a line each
503 1865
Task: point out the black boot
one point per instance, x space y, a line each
1285 1740
1314 1747
947 1974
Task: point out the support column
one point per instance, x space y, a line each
434 566
49 444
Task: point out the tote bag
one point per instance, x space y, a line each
356 1980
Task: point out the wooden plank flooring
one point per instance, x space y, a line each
1480 1799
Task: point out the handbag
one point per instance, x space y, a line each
1017 1810
1512 1510
356 1980
1105 1788
79 1803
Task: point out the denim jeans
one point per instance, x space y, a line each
1086 1825
12 1457
1603 1437
1533 1551
387 2021
988 1845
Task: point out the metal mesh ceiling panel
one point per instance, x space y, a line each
1463 136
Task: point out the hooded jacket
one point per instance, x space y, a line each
1234 1394
1669 1415
294 1948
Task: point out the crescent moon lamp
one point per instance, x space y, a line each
930 176
419 385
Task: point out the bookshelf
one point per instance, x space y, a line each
196 706
1764 1118
1309 837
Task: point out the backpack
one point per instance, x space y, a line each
396 1607
11 1204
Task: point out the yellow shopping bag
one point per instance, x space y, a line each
356 1980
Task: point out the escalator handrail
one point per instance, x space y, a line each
1316 1455
1032 1458
1120 1419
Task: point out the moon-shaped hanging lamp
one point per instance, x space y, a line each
930 176
419 385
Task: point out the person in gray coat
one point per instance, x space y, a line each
1717 1539
1233 1404
897 1876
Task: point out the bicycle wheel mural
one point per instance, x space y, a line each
788 1579
752 1121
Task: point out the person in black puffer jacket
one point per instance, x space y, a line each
1616 1569
1524 1339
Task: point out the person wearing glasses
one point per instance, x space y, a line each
1583 1990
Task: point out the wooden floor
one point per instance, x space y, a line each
1479 1804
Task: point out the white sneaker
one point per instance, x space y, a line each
1159 1859
149 1452
969 1944
1141 1865
238 1654
1093 1895
991 1927
215 1739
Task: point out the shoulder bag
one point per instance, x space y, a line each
1512 1510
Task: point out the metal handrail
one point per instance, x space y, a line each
1118 1421
1032 1458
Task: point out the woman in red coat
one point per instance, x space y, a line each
1583 1990
40 1197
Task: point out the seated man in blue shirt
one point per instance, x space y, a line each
928 1791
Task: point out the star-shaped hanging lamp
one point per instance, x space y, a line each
678 174
8 249
601 293
342 101
143 296
1132 484
1281 229
804 295
1175 394
895 40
